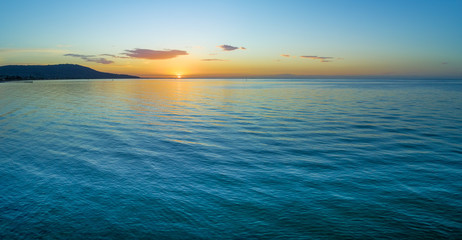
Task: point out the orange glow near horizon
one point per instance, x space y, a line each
249 64
192 67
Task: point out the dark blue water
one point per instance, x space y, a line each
231 159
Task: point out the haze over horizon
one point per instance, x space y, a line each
238 38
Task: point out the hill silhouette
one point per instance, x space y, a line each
60 71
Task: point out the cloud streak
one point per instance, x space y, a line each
90 58
322 59
154 54
228 48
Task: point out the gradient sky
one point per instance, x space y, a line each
237 38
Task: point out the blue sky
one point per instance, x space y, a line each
405 38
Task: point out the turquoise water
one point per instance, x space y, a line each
231 159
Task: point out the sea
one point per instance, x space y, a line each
231 159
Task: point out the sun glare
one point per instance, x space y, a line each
178 76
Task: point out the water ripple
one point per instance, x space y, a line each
231 159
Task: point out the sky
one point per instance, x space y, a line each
335 38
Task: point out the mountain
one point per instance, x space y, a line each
60 71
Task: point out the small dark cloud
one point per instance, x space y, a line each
444 63
322 59
285 55
230 48
154 54
213 60
90 58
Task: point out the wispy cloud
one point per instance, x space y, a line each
285 55
230 48
112 55
316 57
154 54
90 58
322 59
109 55
213 60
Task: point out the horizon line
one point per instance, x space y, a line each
283 76
272 76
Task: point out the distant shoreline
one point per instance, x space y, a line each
54 72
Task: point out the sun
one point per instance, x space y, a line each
178 76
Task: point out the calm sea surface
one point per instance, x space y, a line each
231 159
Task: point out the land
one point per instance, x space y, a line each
50 72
